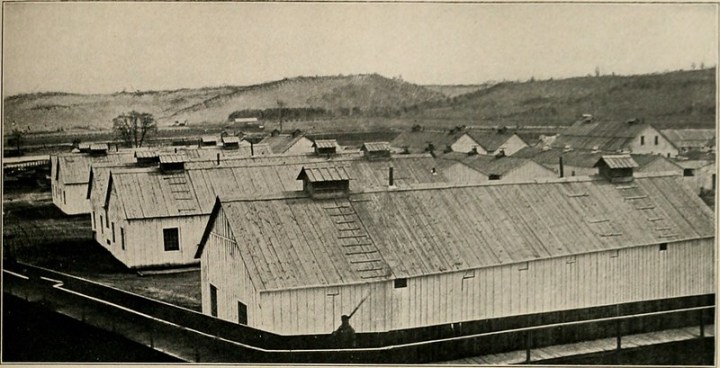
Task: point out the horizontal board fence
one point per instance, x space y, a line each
193 336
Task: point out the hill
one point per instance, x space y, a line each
370 92
675 99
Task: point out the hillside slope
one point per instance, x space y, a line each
683 98
50 111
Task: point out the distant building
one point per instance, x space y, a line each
501 168
289 143
246 120
700 175
438 255
631 136
486 142
690 139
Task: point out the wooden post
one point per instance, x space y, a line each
619 336
702 324
527 346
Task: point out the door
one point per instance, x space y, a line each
213 301
242 313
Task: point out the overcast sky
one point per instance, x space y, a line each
109 47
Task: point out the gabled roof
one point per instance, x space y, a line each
98 147
74 168
418 141
281 143
154 194
609 136
416 232
576 158
209 138
490 140
325 143
323 173
689 137
489 165
147 154
616 162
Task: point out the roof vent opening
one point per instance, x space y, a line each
587 118
616 168
595 149
99 149
376 150
473 151
147 158
633 121
84 147
500 154
208 140
325 181
325 146
172 162
231 142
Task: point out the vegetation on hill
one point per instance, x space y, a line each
675 99
682 98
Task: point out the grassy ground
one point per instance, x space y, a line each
38 233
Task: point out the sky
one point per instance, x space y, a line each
109 47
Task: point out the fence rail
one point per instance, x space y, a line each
192 336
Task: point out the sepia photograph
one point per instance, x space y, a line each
435 183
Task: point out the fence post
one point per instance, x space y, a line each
528 336
702 324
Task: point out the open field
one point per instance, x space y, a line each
36 232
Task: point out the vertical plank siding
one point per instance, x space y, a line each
587 280
70 198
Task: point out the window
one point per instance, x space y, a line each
122 238
469 274
570 260
113 232
656 140
572 173
663 247
614 253
688 172
494 177
400 283
64 198
642 140
523 266
171 239
242 313
107 219
213 301
93 220
102 231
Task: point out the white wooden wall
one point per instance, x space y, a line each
513 144
460 173
74 201
144 244
465 144
635 274
223 267
303 145
664 147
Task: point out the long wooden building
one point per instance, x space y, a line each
70 171
155 216
437 254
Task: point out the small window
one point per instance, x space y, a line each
171 239
572 173
107 219
469 274
688 172
213 301
523 266
614 253
668 155
663 247
93 220
102 229
242 313
656 140
642 140
494 177
122 238
571 260
64 198
333 292
400 283
113 232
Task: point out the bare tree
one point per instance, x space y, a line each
133 127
